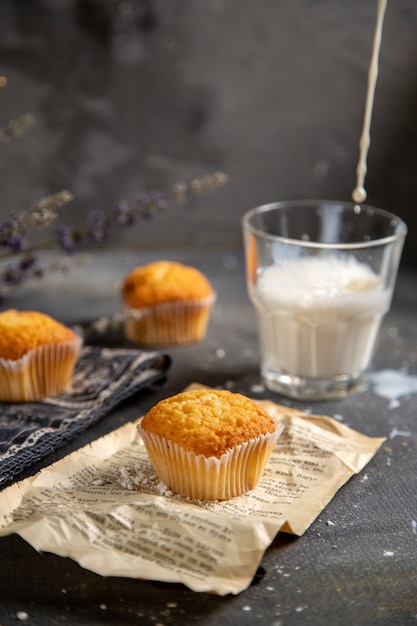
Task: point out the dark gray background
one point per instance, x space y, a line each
134 96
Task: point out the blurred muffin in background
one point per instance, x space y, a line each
166 304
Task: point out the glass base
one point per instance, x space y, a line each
300 388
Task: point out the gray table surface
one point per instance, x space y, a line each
356 564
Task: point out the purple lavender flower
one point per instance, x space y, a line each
99 227
67 238
123 216
16 243
159 200
10 237
23 269
143 206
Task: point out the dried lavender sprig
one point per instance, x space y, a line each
17 127
143 207
26 268
29 269
43 214
13 232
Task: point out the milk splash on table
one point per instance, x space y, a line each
319 317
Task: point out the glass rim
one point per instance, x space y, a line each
400 232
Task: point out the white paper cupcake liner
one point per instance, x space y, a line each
40 373
209 478
170 323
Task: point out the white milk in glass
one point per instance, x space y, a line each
319 317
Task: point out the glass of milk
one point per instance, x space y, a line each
321 276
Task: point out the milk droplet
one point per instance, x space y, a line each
359 194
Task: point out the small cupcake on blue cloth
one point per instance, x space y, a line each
37 356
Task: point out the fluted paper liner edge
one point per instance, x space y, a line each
210 478
40 373
169 323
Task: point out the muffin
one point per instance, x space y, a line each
166 303
207 444
37 356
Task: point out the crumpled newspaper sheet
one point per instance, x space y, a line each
104 507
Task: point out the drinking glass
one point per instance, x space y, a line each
321 276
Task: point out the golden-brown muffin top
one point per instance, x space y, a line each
207 421
164 281
21 331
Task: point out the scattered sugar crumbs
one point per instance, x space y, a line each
142 477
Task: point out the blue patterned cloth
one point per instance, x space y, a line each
103 377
